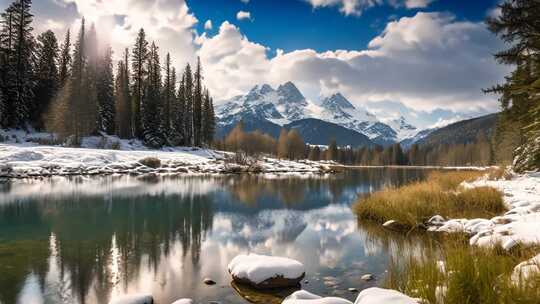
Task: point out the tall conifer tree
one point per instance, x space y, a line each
65 60
188 109
105 94
139 62
150 109
197 104
46 76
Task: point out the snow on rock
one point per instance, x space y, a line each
525 269
183 301
386 296
262 271
134 299
520 225
304 297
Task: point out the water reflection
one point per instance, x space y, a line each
85 240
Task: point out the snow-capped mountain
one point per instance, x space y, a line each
287 104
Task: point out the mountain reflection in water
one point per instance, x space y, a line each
86 240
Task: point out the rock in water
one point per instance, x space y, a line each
368 277
386 296
209 281
261 272
304 297
134 299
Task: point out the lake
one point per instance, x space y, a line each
88 239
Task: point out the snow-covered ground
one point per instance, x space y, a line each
520 225
21 156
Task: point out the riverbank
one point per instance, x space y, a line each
481 253
28 161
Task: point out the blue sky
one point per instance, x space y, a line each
295 24
427 60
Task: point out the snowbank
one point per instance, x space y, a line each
386 296
525 269
304 297
134 299
263 271
520 225
20 161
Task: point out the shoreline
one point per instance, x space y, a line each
20 162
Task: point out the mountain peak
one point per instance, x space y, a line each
403 124
290 94
337 101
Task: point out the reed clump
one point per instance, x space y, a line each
440 194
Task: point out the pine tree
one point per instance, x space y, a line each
179 114
18 75
169 95
123 99
46 77
150 109
208 119
188 109
105 94
518 26
140 74
7 38
197 104
65 60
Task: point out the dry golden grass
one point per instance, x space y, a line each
454 272
440 194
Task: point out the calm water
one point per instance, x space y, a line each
85 240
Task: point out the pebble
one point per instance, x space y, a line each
208 281
352 289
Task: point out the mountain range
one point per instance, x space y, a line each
268 110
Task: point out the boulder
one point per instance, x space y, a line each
263 272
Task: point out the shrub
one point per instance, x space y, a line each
151 162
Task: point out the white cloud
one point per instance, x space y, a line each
208 25
243 15
168 22
417 3
427 61
356 7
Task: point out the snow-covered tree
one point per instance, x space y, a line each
65 60
197 104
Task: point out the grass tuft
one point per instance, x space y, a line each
454 272
440 194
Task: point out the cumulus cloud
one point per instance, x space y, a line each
356 7
243 15
429 61
168 22
208 25
417 3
